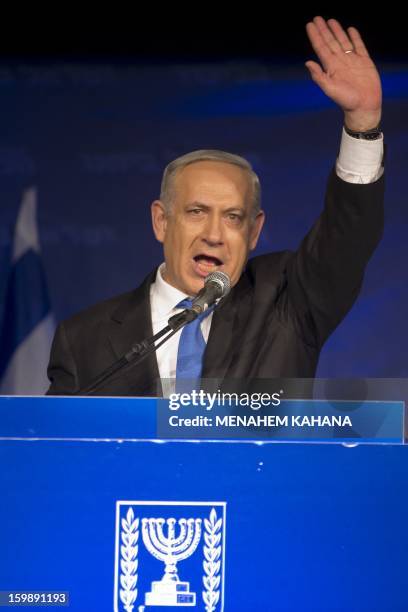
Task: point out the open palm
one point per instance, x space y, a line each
348 75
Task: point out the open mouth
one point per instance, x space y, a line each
205 264
207 260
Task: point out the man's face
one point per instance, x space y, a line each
209 226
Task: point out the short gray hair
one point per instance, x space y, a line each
167 191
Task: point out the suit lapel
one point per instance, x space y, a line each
131 323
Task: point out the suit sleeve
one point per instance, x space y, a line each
327 271
62 370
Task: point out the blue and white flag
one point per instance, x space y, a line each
28 324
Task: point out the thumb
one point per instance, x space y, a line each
315 71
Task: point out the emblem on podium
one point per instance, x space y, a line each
169 555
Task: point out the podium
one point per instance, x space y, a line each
94 505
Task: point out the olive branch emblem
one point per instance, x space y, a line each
128 560
212 563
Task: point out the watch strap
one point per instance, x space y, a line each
372 134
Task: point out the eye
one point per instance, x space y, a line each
234 218
195 211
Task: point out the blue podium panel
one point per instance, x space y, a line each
147 525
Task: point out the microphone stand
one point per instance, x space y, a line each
140 351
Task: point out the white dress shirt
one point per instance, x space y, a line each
359 161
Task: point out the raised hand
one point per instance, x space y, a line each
348 75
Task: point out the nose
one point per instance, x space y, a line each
213 231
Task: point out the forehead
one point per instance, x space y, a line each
213 181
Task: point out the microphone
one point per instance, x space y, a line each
216 285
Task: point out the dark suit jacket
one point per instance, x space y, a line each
272 324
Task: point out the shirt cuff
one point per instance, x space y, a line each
360 161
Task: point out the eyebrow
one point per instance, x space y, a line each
229 209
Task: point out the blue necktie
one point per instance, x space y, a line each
191 349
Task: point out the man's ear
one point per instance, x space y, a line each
256 227
159 220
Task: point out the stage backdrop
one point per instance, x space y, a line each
93 140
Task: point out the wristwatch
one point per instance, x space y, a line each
373 134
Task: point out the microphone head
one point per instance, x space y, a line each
222 280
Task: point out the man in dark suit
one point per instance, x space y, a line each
282 306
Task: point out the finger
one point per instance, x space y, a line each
340 34
357 41
327 35
320 47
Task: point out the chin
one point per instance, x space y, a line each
195 287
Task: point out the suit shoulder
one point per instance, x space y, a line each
270 263
269 272
101 311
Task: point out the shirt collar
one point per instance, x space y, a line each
164 296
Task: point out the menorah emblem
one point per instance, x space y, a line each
170 590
